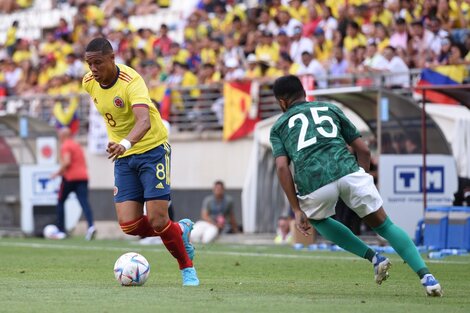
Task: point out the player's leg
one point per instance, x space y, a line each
319 206
128 197
154 175
404 246
359 192
65 189
81 190
208 231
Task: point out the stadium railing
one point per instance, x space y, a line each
193 109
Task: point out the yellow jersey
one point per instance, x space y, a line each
115 104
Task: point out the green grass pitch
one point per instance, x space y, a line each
77 276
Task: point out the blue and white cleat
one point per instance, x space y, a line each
431 285
189 277
381 266
187 226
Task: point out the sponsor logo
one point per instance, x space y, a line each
118 102
160 186
408 179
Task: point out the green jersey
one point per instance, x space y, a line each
314 136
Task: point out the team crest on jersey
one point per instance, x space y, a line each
118 102
115 190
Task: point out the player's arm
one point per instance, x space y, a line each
362 153
287 183
141 127
206 217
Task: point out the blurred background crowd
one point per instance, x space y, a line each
233 40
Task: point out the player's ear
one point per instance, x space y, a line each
282 104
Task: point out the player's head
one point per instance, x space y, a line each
287 90
100 58
64 133
218 189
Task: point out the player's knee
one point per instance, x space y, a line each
159 222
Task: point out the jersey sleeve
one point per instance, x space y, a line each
277 144
86 81
137 92
348 129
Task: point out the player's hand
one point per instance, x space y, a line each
114 150
302 223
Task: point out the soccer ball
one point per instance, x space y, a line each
49 231
131 269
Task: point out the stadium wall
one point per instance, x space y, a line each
196 164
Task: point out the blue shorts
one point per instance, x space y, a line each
143 177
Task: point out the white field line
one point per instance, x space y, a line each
317 256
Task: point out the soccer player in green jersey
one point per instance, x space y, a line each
315 136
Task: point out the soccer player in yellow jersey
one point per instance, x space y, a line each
138 146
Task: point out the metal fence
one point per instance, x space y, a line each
194 109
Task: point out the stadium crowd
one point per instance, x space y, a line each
231 40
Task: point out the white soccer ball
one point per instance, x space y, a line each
131 269
49 231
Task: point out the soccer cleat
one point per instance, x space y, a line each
189 277
381 266
187 227
59 235
431 285
90 233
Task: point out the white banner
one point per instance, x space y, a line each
97 135
400 182
46 148
38 189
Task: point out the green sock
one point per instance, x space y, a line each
342 236
401 242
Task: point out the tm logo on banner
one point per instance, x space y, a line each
43 185
408 179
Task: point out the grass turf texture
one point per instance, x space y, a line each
77 276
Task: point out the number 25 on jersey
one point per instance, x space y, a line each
317 120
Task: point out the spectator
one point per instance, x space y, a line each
268 47
323 47
400 72
437 34
250 73
311 66
10 42
217 216
233 70
299 45
74 174
443 57
266 24
162 44
339 65
313 22
286 23
399 38
232 51
381 36
328 23
283 41
283 233
354 38
286 65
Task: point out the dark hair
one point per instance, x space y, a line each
288 88
99 45
219 182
